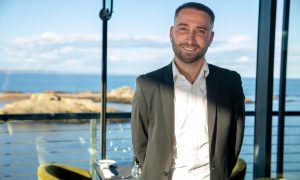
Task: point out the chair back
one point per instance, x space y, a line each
239 170
60 171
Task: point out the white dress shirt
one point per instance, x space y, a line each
191 147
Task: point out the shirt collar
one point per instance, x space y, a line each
203 72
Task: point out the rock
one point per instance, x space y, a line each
123 94
12 96
248 100
52 103
45 97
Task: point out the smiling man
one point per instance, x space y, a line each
188 117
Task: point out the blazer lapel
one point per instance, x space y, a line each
167 96
212 85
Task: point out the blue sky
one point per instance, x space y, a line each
64 36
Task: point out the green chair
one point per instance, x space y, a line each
239 170
60 171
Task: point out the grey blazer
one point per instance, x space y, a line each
153 121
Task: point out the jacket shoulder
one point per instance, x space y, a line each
223 72
156 76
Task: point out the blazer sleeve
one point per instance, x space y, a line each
139 123
239 115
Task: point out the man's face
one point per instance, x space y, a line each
191 35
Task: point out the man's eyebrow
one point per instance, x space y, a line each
202 28
198 27
182 24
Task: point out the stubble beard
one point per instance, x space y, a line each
186 57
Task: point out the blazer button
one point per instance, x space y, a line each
213 167
165 173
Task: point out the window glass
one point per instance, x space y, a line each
292 123
55 46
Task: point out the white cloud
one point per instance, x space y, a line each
128 37
243 59
49 38
239 39
133 54
232 43
67 49
142 54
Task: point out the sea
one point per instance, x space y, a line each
14 134
74 83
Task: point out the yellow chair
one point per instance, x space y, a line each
60 171
267 178
239 170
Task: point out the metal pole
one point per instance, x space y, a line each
282 89
93 128
264 88
105 15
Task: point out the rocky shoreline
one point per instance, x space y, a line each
61 102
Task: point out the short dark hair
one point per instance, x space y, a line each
196 6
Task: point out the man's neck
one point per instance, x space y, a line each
189 70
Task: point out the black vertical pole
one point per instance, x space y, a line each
104 88
282 88
264 88
105 15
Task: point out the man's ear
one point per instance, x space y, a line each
211 38
171 33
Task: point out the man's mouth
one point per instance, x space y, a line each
189 48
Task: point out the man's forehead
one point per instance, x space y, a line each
192 11
192 15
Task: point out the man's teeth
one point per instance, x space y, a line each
189 48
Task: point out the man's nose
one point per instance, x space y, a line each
191 39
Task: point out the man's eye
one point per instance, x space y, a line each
183 29
200 31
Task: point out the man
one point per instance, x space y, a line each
188 117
